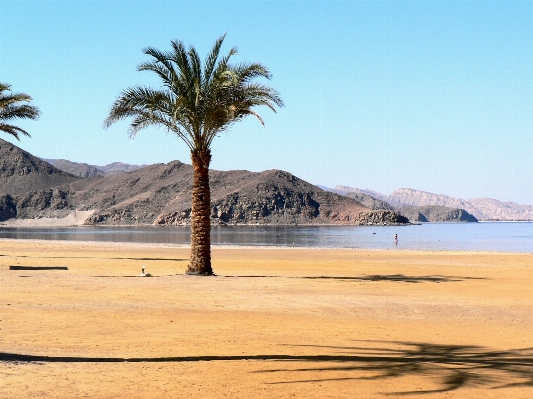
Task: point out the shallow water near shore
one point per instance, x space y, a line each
497 236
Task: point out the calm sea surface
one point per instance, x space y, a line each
508 237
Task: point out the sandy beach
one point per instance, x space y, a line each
273 323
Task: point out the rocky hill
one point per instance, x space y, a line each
408 196
86 170
435 213
344 190
161 194
369 201
116 168
21 172
428 213
481 208
75 168
492 209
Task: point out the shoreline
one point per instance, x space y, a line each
26 223
44 223
140 245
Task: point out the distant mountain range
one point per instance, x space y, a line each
34 190
405 200
86 170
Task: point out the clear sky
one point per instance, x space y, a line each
435 96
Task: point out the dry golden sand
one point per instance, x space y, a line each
274 323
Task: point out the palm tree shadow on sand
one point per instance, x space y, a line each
398 278
451 367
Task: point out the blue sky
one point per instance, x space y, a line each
436 96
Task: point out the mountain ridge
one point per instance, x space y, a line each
485 209
21 172
85 170
160 194
118 193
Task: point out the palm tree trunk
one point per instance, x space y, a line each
201 215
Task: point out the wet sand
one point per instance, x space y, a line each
273 323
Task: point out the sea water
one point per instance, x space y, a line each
493 236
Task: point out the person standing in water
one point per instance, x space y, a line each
396 240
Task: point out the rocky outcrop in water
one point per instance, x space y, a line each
435 213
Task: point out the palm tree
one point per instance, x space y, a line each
10 109
197 102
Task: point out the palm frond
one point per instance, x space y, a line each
211 60
13 130
166 73
10 109
24 111
247 72
196 64
14 98
134 100
181 58
197 101
223 64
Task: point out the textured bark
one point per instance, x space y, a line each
201 215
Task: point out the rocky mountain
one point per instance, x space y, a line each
86 170
75 168
481 208
116 168
21 172
427 213
492 209
343 190
369 201
161 194
408 196
435 213
8 208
